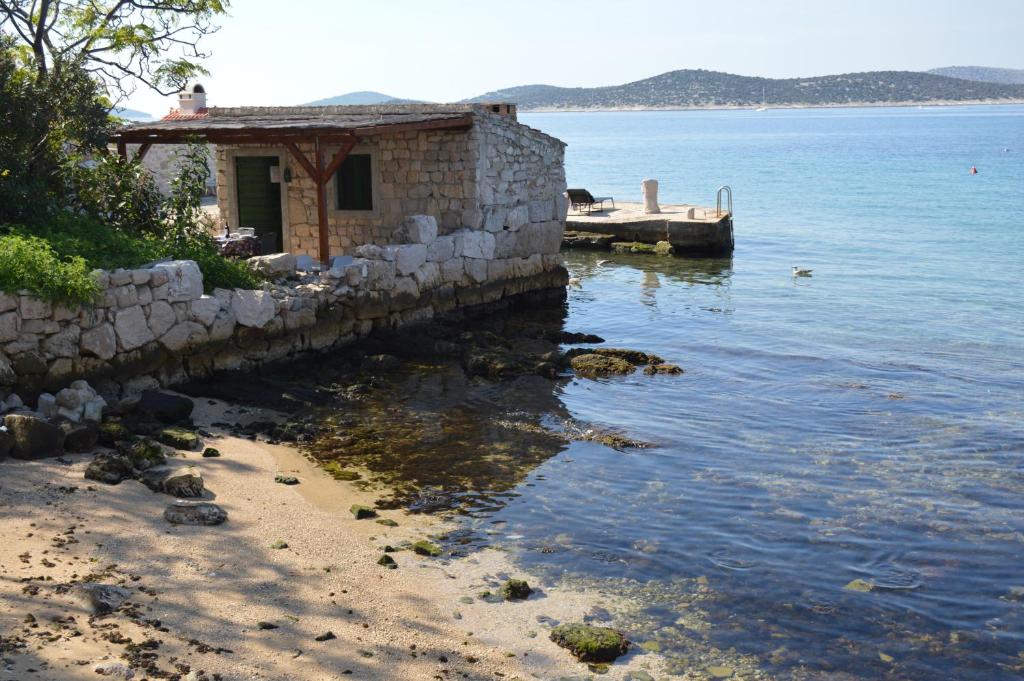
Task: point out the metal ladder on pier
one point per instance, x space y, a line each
718 204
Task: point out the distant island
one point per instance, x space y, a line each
361 98
694 89
713 89
985 74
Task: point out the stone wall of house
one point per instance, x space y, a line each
162 163
498 177
155 326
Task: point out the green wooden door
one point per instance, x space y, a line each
259 199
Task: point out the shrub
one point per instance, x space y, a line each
30 263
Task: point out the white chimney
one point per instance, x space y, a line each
192 99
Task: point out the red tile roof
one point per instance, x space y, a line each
179 115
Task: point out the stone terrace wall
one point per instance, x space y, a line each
156 327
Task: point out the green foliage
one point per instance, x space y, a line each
30 263
120 42
41 119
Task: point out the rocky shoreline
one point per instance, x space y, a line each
202 539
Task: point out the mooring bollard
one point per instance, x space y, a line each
650 192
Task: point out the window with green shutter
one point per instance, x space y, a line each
354 183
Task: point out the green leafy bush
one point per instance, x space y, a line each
31 263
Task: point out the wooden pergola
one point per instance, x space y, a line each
289 130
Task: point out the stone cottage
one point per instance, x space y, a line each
321 181
162 161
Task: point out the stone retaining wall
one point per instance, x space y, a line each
156 326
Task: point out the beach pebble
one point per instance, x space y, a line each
326 636
115 669
191 513
286 479
99 599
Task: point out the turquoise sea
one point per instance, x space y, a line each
834 489
866 423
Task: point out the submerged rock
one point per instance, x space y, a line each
515 590
388 562
589 643
668 369
387 522
634 356
592 365
192 513
632 247
283 479
211 453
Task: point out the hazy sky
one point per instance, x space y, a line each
294 51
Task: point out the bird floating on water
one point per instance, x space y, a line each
601 263
801 272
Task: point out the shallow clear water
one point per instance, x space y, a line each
864 423
836 488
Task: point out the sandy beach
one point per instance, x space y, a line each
200 594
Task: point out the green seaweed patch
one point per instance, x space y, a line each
387 522
426 548
113 432
632 247
860 585
362 512
143 453
339 472
515 590
589 643
179 438
279 544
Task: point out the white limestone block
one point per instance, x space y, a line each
441 249
409 258
253 308
184 280
132 329
161 317
205 309
418 229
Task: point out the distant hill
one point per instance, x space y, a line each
132 115
363 98
700 88
985 74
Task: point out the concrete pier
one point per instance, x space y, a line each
692 230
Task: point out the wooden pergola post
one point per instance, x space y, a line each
321 175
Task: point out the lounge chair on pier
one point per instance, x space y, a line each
581 198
